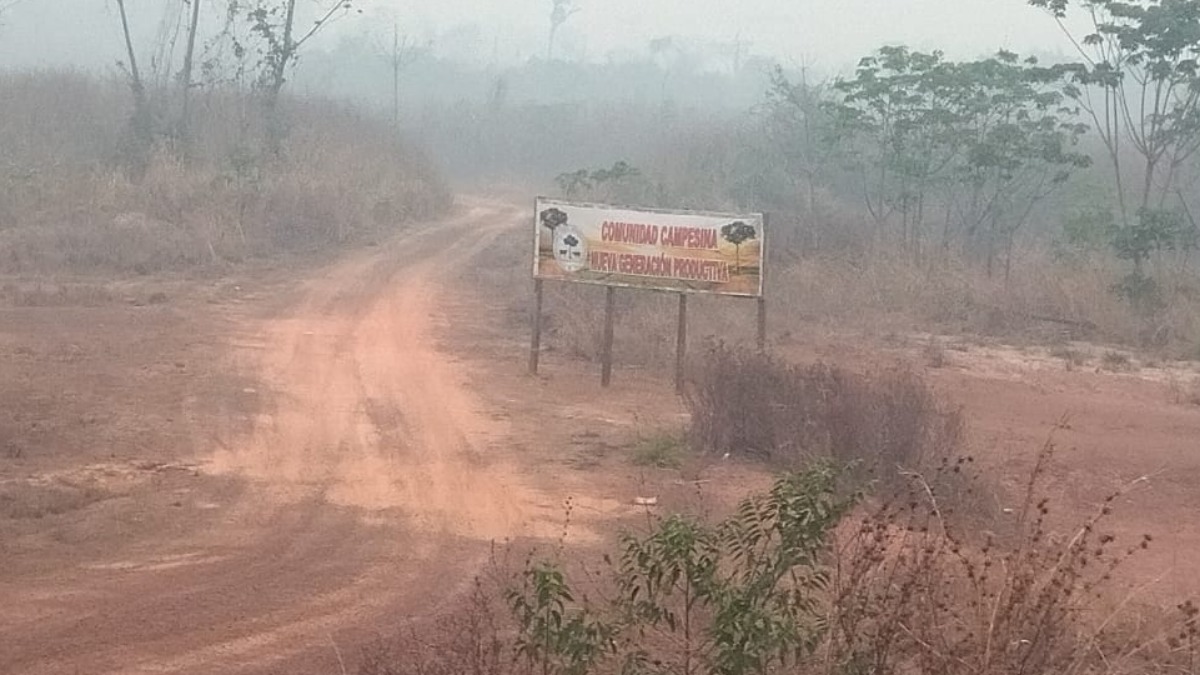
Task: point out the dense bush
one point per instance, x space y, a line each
750 403
801 580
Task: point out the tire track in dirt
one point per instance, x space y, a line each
374 482
360 351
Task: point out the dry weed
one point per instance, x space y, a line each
1183 392
749 403
915 593
67 204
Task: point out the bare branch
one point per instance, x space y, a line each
339 7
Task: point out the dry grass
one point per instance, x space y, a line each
909 591
471 641
1045 301
23 499
1184 391
1072 358
748 403
68 202
1118 362
914 593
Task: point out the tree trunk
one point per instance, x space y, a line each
141 124
1148 183
135 76
185 77
286 51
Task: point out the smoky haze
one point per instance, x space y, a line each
828 36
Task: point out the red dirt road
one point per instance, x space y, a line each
339 475
365 489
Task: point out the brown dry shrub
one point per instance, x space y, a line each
470 641
1046 300
908 591
70 203
912 592
749 403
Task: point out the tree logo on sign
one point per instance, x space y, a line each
738 233
570 248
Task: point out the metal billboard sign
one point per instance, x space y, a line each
680 251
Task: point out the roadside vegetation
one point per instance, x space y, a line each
999 196
852 562
196 155
1003 196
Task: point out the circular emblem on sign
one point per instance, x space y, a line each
570 249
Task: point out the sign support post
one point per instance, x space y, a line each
762 296
681 344
762 324
535 345
607 349
676 251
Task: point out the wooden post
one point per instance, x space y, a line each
762 324
535 345
762 298
607 348
681 343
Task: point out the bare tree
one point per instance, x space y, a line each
274 22
402 52
6 5
185 75
141 124
562 10
131 67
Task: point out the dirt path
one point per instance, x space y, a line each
373 482
349 475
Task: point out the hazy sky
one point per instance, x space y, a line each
830 34
823 30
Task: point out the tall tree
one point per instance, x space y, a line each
1019 146
982 143
1139 81
402 52
274 23
559 13
141 125
799 126
185 75
895 122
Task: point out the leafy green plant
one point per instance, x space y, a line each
662 451
738 597
554 635
666 581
